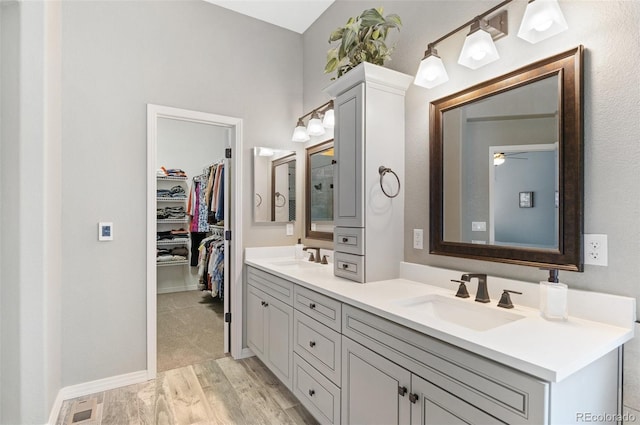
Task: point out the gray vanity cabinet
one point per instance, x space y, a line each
270 322
369 134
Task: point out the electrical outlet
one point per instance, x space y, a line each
595 250
289 229
418 239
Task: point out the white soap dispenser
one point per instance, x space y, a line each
553 298
299 252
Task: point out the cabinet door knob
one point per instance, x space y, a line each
345 266
413 398
262 303
311 392
312 305
345 240
402 391
312 344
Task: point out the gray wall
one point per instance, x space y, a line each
117 57
610 33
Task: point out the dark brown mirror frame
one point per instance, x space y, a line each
313 234
568 67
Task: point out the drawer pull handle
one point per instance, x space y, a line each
311 392
312 344
264 304
312 306
413 398
345 266
402 391
345 240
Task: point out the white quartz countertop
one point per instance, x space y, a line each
550 350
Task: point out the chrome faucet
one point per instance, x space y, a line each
313 258
482 294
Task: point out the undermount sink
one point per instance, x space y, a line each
294 263
464 313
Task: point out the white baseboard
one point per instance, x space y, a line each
245 353
93 387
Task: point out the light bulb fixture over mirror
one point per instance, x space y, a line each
431 72
542 19
320 119
478 49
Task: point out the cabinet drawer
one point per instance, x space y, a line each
318 345
322 308
349 240
272 285
348 266
503 392
316 392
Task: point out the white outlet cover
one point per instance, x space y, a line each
289 229
595 250
418 239
478 226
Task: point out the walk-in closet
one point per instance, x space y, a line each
192 205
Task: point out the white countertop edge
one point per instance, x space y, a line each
562 367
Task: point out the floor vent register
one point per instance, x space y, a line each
86 412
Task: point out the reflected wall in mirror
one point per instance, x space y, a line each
506 167
319 191
274 183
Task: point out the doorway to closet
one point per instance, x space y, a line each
192 258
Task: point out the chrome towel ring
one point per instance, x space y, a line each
384 170
280 195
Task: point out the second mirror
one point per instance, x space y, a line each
319 191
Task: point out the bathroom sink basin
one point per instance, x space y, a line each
300 264
465 313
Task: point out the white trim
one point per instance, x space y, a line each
245 353
92 387
235 292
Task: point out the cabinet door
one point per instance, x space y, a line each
349 153
374 390
431 405
279 322
256 321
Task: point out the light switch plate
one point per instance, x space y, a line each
289 229
105 231
478 226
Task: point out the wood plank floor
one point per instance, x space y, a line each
220 391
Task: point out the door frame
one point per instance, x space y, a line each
154 112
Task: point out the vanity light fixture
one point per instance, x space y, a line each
300 132
478 49
431 72
316 126
499 158
542 19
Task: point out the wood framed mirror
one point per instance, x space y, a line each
319 191
506 167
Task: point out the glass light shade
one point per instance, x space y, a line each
300 133
315 127
498 159
329 119
431 71
478 50
265 152
542 19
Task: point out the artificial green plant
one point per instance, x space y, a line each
362 39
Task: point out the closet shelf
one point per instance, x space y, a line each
172 263
183 241
172 220
170 178
168 199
